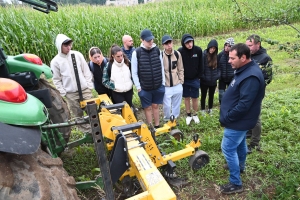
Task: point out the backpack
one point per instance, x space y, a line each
91 66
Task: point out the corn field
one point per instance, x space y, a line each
24 30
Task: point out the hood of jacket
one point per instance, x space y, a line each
183 38
153 45
60 38
212 43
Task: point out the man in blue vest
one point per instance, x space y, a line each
239 112
148 76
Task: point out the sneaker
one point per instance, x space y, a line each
210 111
196 119
231 188
203 113
166 119
227 168
188 120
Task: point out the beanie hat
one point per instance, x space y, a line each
229 41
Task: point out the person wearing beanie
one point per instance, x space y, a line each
148 76
210 76
174 74
192 58
226 70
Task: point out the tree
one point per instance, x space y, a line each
247 14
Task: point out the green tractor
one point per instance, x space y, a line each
27 172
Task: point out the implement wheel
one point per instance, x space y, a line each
59 112
198 160
34 176
177 134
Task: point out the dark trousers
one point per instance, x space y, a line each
255 132
120 97
211 92
222 86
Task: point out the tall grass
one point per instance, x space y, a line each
26 30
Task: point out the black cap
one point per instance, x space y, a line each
166 38
188 39
147 35
67 41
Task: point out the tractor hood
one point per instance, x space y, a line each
28 63
32 112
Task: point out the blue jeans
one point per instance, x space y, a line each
234 148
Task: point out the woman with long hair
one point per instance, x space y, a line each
117 76
210 75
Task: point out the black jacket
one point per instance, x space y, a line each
265 63
241 103
226 70
192 60
209 75
98 73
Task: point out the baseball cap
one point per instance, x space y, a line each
187 39
67 41
147 35
166 38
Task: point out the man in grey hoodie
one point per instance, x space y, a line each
64 76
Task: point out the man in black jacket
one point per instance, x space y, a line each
192 59
260 56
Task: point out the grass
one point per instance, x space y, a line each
272 173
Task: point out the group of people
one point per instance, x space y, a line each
241 72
